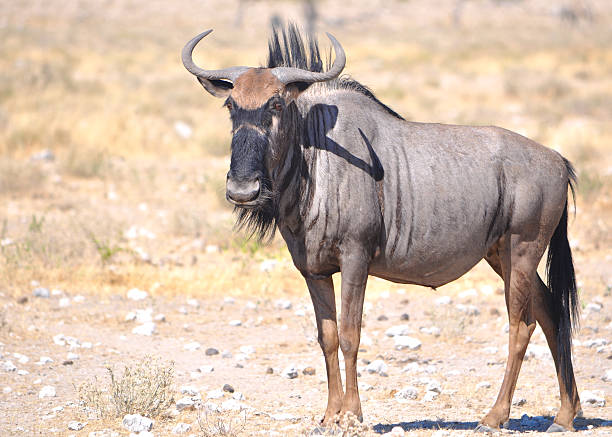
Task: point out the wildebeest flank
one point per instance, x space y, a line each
354 188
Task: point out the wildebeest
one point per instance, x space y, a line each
354 188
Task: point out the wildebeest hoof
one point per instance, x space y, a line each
555 427
485 429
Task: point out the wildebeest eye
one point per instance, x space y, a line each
228 105
276 105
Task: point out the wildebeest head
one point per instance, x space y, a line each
258 100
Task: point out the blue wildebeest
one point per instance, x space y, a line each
354 188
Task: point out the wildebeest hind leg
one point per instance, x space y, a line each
324 302
570 402
518 261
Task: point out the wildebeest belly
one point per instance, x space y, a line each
441 215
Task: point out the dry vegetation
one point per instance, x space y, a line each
131 200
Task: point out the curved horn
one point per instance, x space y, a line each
186 55
289 74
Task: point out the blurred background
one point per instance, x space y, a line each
113 158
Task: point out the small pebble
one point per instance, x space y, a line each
47 391
211 351
309 371
228 388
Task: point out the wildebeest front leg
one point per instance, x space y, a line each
324 302
354 278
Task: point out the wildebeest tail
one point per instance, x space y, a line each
562 285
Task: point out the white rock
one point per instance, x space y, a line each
593 397
394 331
215 394
430 396
147 329
491 350
144 316
235 323
193 346
593 307
412 367
251 305
8 366
441 433
396 431
41 292
228 299
7 390
76 426
537 351
470 310
407 393
443 300
48 391
182 129
483 384
233 405
186 403
238 396
518 401
211 406
405 342
193 302
190 390
248 350
64 302
433 385
137 423
22 372
283 304
136 294
290 372
159 318
130 317
432 330
72 356
377 366
596 342
181 428
471 292
608 376
78 299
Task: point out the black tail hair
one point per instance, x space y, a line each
562 284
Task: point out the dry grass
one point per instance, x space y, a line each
222 424
143 388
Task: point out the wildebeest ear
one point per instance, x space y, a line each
296 88
218 88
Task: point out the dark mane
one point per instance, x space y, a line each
287 48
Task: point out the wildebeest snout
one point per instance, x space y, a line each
241 190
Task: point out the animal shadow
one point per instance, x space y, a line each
524 424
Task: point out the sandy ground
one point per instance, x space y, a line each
469 351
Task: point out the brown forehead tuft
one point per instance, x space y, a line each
255 87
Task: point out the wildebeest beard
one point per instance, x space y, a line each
260 220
